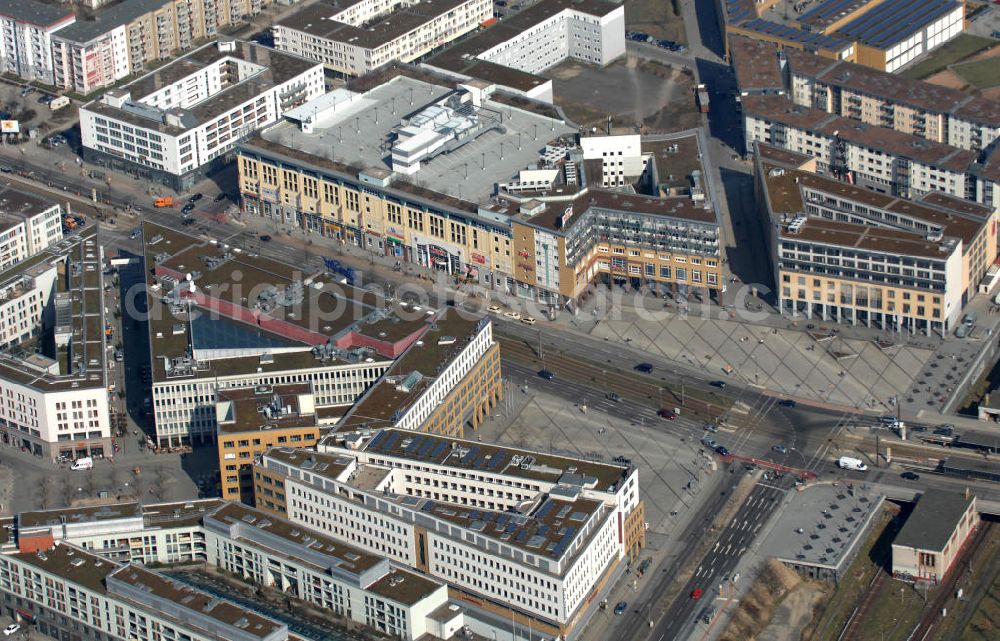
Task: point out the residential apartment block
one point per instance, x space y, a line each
91 562
881 34
251 421
513 533
117 41
956 117
513 52
26 29
359 36
56 398
176 123
847 254
526 209
886 160
30 222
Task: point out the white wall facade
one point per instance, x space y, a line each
26 48
448 379
355 59
346 597
179 153
552 589
927 39
186 407
86 67
30 235
568 34
24 301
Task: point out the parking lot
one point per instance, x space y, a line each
31 114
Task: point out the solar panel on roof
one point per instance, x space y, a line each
426 448
414 444
521 536
428 507
502 520
498 460
511 526
375 442
480 463
391 441
471 454
545 509
439 450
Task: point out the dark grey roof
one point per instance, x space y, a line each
33 12
107 19
933 520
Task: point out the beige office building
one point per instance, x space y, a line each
847 254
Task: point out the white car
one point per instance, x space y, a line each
495 309
11 629
514 315
528 320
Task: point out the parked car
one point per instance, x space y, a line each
512 314
910 476
495 309
711 427
265 238
786 402
645 368
221 197
188 208
546 374
620 608
26 91
613 396
709 442
195 198
667 414
528 320
719 384
11 629
722 451
187 221
780 449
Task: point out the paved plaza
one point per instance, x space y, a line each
848 372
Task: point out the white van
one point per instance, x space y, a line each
85 463
848 463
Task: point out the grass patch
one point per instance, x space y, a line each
955 50
985 624
655 17
982 74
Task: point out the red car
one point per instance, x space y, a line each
667 414
696 594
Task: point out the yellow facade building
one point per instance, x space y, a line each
848 254
252 420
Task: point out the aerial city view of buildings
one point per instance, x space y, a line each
527 319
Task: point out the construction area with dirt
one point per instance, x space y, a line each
868 603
